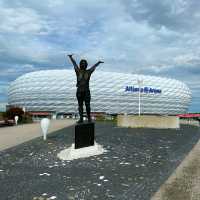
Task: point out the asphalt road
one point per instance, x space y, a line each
138 161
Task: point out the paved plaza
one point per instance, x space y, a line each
135 165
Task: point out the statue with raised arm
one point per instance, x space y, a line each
83 91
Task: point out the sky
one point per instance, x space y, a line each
148 37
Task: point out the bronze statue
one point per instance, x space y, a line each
83 91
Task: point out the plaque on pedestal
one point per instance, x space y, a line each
84 135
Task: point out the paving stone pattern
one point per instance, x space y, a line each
136 163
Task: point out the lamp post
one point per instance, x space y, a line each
24 109
45 122
16 119
140 82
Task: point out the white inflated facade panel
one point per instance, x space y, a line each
55 91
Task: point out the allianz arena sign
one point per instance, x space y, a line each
143 90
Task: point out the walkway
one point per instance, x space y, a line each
12 136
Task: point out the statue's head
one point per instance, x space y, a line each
83 64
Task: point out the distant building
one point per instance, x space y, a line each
3 107
51 92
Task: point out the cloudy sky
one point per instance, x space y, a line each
133 36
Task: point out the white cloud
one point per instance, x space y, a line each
187 59
22 21
44 29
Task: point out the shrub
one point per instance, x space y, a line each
100 118
1 116
27 118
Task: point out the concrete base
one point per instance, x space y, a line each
84 135
71 153
148 121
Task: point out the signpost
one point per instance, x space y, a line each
140 82
140 89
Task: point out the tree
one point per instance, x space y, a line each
14 111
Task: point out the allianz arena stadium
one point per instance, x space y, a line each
54 91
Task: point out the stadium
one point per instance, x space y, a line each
54 92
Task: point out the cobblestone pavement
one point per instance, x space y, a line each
136 163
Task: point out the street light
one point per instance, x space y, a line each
45 122
140 82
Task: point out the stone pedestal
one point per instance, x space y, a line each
148 121
84 135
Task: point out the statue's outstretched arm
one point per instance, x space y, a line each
95 65
73 62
